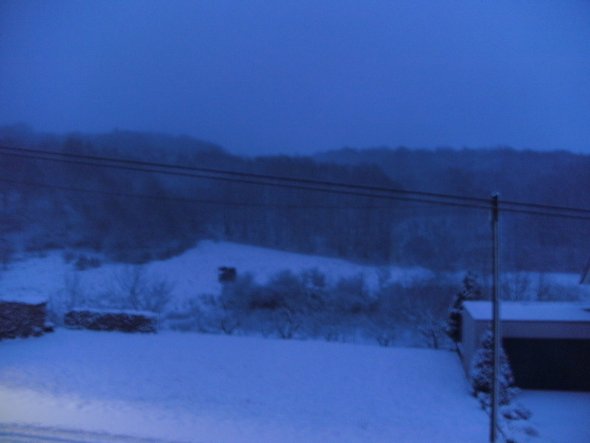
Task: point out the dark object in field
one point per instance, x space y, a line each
227 274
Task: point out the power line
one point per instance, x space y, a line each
214 171
544 206
221 203
297 183
159 165
180 199
543 214
276 206
304 187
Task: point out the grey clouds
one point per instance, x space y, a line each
302 76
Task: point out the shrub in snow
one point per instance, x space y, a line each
389 317
290 305
83 263
351 296
233 305
417 312
426 311
301 305
133 289
482 367
73 292
192 314
471 291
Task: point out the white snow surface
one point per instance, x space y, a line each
205 388
195 272
532 311
192 273
559 416
189 387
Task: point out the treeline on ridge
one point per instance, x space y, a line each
134 216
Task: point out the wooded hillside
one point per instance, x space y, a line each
135 215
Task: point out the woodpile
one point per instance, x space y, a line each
22 319
104 320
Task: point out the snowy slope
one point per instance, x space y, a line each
192 273
195 272
206 388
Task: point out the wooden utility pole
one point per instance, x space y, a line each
497 335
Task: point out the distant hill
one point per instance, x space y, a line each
557 177
137 216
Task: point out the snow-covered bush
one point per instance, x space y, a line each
389 319
282 306
231 309
471 291
83 262
189 315
351 296
70 296
133 289
306 305
427 309
74 295
482 367
291 305
416 312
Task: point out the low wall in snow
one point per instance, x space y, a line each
21 319
103 320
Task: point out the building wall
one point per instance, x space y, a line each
544 354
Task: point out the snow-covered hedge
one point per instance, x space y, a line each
308 305
102 320
22 319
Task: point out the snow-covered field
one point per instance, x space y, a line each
207 388
187 387
171 386
190 274
195 272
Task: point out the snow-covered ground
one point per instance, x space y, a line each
190 274
174 386
207 388
187 387
195 272
560 416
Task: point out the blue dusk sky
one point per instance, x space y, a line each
302 76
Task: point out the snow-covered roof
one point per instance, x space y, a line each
531 311
585 279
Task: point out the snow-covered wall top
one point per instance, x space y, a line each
26 299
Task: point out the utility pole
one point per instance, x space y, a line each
495 319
